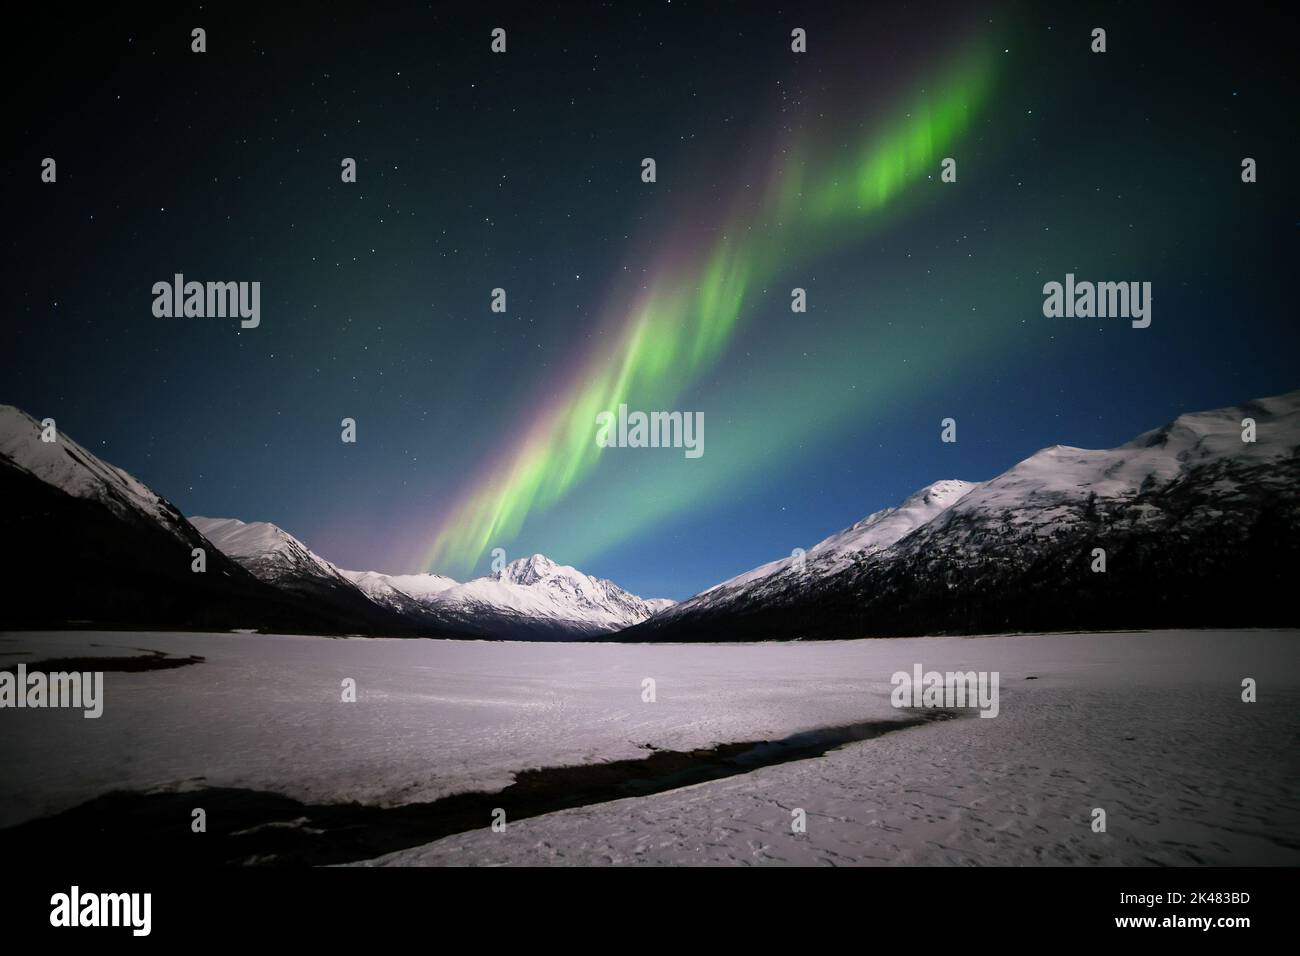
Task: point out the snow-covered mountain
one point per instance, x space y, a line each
530 598
276 557
535 592
830 556
398 588
83 542
1199 528
268 551
404 593
66 466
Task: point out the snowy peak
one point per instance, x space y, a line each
883 528
532 596
246 539
1203 436
877 531
75 471
268 551
386 587
276 557
539 571
140 571
558 596
407 594
422 587
528 571
939 495
1046 486
1196 511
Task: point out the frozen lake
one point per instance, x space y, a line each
1148 726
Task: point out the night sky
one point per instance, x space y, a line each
523 171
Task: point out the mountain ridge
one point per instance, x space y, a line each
85 544
1198 526
532 597
1186 512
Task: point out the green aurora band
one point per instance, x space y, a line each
680 322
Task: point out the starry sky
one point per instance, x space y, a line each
522 171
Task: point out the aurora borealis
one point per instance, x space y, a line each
775 170
683 315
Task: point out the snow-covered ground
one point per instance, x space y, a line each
1148 726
